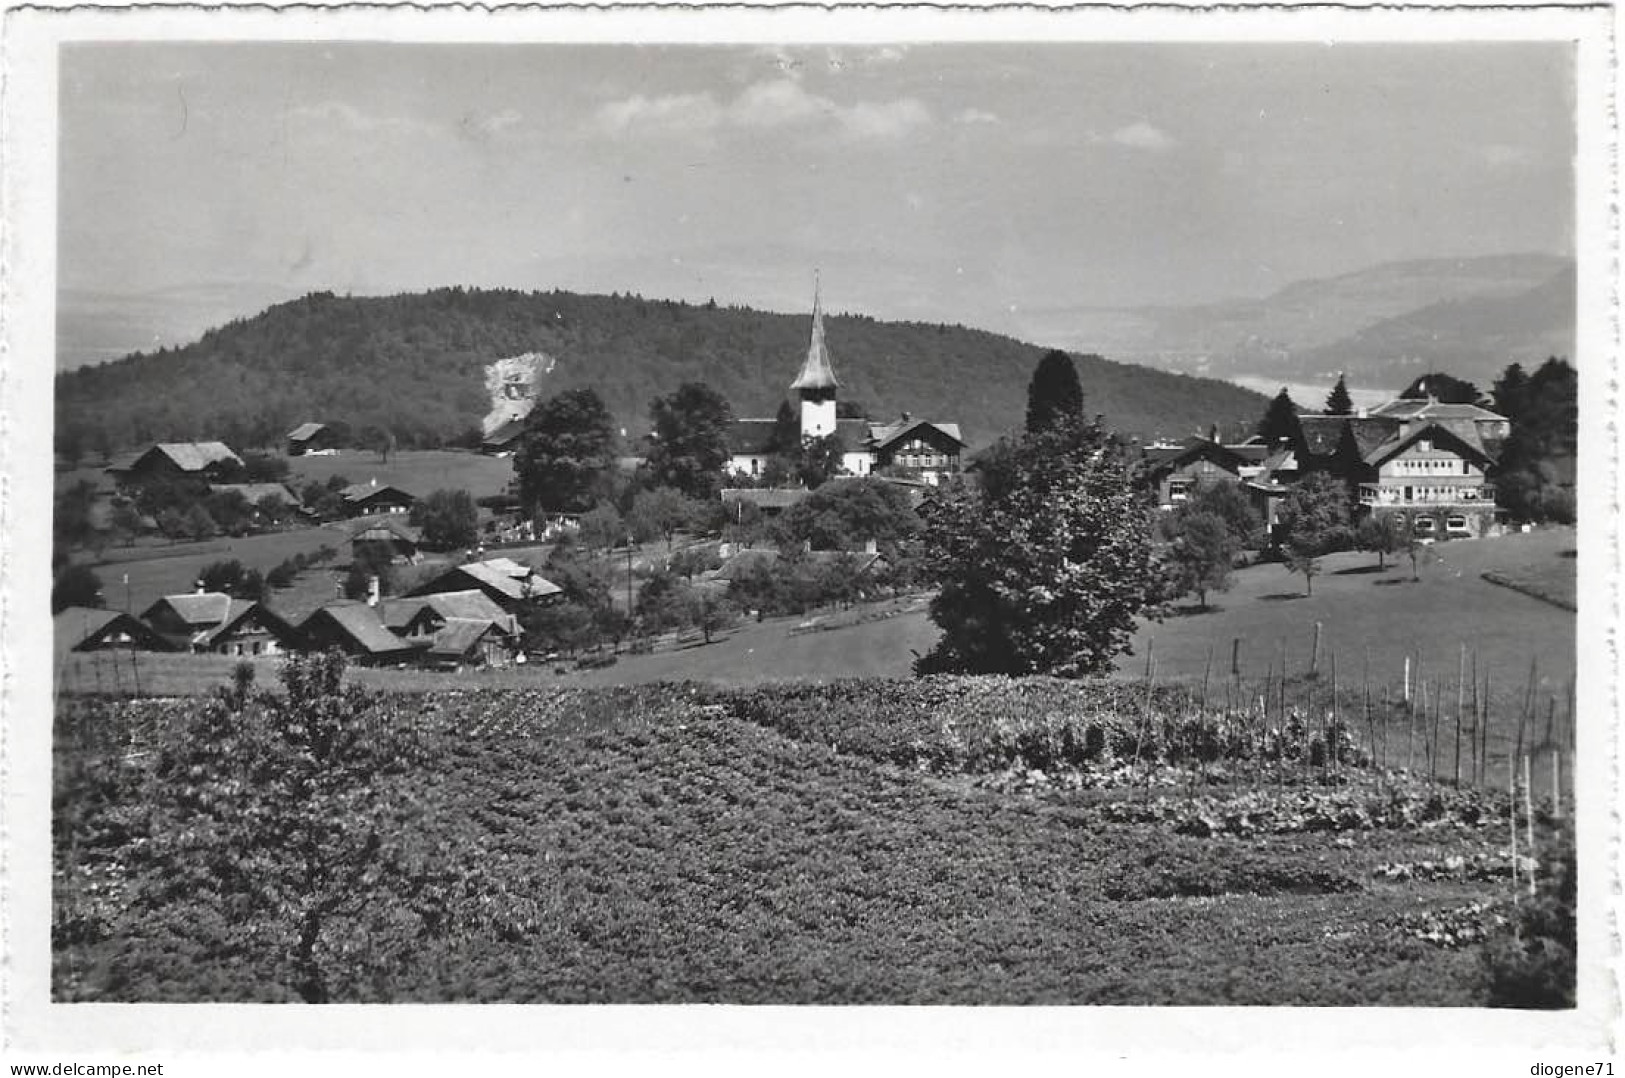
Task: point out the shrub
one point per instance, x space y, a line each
1534 965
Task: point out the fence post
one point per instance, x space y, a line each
1529 823
1314 653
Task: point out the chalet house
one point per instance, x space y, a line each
366 499
209 461
506 583
214 622
504 439
82 628
1425 462
469 642
396 542
312 438
358 630
417 620
1176 469
932 449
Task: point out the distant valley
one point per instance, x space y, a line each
1383 325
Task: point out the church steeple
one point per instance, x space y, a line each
816 384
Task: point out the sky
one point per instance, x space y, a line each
956 183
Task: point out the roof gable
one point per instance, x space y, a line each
1435 432
884 435
306 431
361 624
197 609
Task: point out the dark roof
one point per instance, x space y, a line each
458 635
239 612
471 605
383 528
306 431
187 456
506 578
360 492
881 435
746 436
76 625
362 624
1322 433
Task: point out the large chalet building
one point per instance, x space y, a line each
1426 463
922 447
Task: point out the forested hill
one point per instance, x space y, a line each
412 364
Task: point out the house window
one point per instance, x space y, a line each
1425 445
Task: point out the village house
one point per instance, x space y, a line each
367 499
417 619
312 438
929 449
357 629
385 538
1175 469
214 622
170 461
505 582
469 642
83 628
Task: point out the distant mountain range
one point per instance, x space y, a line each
414 365
1383 325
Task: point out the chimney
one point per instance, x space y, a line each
1361 413
869 547
197 587
1213 433
907 417
375 480
372 591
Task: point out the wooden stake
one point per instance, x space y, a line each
1314 653
1512 817
1529 822
1410 743
1461 687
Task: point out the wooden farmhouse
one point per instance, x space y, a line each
214 622
357 629
312 438
367 499
81 628
170 461
388 538
505 582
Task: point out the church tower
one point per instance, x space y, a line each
816 383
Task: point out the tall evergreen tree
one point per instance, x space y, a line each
1338 402
1054 394
1280 420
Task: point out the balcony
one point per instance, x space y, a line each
1400 496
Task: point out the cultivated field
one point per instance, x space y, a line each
951 841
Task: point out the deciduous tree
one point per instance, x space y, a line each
449 519
565 452
1202 556
1044 571
688 447
1313 518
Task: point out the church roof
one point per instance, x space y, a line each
816 372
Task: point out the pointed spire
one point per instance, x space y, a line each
816 373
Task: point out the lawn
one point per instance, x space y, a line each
156 571
1385 615
417 471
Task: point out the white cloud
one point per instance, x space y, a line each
1141 136
672 112
772 104
975 116
775 103
883 120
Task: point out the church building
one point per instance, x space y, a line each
927 449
